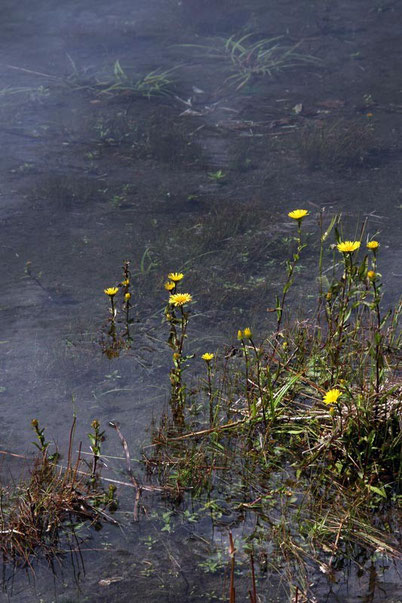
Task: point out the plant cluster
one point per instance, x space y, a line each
41 516
296 434
335 144
116 335
154 83
301 433
249 59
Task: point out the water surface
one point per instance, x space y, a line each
91 178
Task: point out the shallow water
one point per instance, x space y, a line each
92 178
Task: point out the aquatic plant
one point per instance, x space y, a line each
154 83
298 215
304 436
39 515
295 433
177 335
335 144
113 341
217 176
250 59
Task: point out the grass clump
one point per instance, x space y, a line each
335 144
39 516
249 59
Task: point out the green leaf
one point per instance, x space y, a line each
379 491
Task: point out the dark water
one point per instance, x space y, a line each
91 178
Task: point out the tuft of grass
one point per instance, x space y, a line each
39 515
154 83
248 58
335 144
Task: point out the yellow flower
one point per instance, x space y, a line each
298 214
179 299
332 396
169 286
175 276
127 296
371 275
111 291
125 283
207 356
239 334
247 333
348 246
373 245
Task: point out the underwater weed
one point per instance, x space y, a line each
154 83
248 59
335 144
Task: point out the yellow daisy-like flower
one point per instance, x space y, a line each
332 396
127 296
111 291
371 275
239 334
372 245
179 299
298 214
247 333
125 283
348 246
207 356
175 276
169 285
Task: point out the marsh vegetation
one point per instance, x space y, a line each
252 433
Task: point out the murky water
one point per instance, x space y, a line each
198 179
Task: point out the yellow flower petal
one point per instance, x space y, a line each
179 299
175 276
332 396
207 356
111 291
348 246
298 214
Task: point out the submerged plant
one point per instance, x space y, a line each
249 59
335 144
154 83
